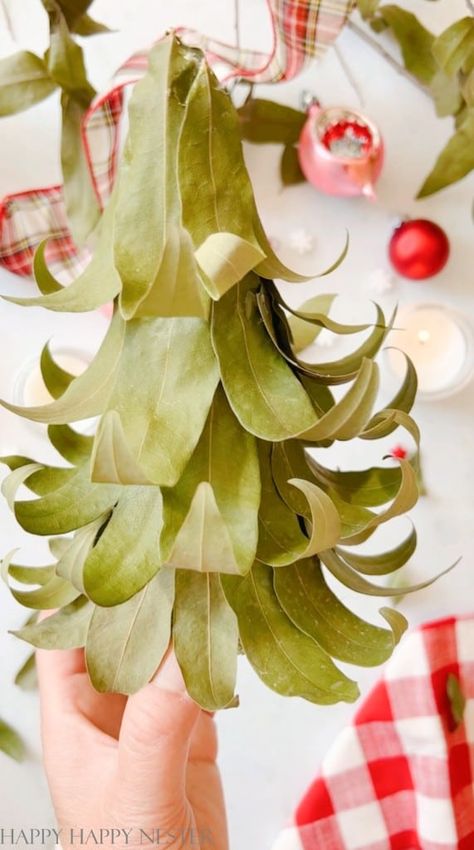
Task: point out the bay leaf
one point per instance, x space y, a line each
126 643
127 554
24 81
205 638
65 629
313 607
216 501
287 660
263 392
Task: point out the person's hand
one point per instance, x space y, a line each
145 765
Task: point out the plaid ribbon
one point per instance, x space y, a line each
401 777
302 29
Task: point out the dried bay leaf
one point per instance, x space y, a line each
205 639
126 643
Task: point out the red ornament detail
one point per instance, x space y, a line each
348 138
399 452
418 249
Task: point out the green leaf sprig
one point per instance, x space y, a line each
195 513
27 79
443 65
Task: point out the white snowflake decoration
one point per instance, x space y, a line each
380 281
301 241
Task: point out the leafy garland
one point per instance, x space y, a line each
26 79
443 65
196 514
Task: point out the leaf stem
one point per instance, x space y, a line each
400 69
237 23
348 74
470 6
8 19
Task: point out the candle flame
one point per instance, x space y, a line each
424 336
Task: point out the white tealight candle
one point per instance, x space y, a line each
29 389
439 343
33 389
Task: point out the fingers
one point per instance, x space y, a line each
55 668
154 742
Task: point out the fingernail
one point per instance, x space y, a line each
169 676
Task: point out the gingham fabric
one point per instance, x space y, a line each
302 29
401 776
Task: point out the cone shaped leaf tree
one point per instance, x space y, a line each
195 514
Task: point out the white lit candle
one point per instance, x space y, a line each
439 343
29 389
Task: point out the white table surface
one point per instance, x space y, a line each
270 746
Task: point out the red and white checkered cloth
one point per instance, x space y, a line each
302 29
401 777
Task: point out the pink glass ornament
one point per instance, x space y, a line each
340 151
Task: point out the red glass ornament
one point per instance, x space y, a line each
340 151
418 248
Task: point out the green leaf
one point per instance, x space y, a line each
334 372
96 285
204 168
205 639
280 538
350 415
386 562
455 160
66 629
171 401
70 565
264 121
26 677
65 59
285 658
225 258
315 610
86 26
264 394
457 700
10 742
272 267
54 376
468 89
416 42
304 333
127 554
353 580
73 447
455 45
71 9
86 395
24 81
72 505
82 205
366 487
126 644
211 516
367 8
53 592
446 92
290 169
149 209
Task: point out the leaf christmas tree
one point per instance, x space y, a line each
194 513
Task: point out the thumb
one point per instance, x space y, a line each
154 743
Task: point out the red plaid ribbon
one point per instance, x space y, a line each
401 777
302 29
